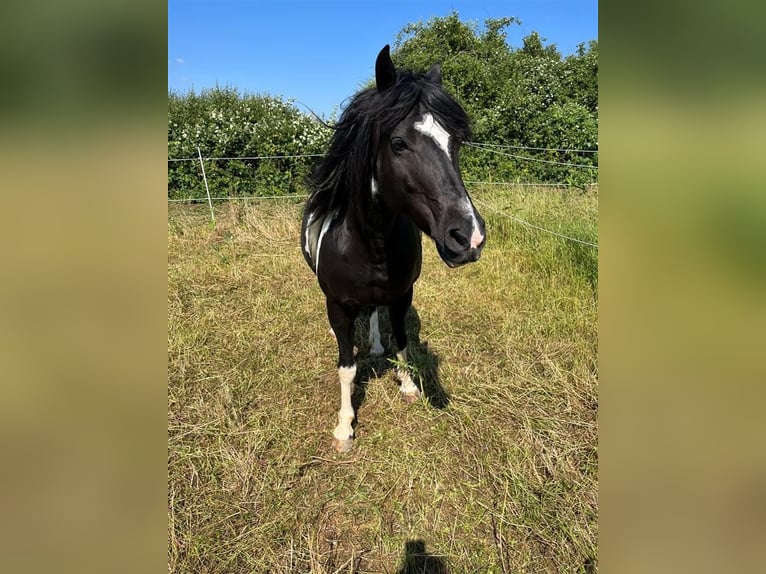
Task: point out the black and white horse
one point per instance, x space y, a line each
391 172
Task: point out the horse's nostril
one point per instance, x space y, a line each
459 238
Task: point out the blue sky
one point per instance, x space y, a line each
320 52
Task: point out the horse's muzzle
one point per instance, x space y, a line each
463 242
456 260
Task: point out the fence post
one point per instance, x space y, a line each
207 189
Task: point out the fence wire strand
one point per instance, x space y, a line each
527 158
532 225
242 197
296 156
486 147
489 146
508 146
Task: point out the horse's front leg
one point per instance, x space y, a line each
342 319
398 312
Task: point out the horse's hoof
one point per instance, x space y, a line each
410 398
377 351
342 446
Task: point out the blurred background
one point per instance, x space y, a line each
82 326
683 473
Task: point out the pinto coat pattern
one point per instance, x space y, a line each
391 172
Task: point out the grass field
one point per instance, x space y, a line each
494 471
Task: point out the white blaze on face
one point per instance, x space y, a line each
433 129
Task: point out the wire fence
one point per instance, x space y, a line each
524 147
253 157
532 225
493 148
240 198
527 158
488 147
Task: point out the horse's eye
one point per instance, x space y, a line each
398 145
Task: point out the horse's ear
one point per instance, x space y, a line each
385 72
435 73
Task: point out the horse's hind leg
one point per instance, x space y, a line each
376 348
398 312
342 321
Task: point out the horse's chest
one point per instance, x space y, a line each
351 272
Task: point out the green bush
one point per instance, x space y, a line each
523 97
227 124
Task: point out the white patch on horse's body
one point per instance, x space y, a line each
316 228
374 187
376 348
430 127
344 432
325 227
410 391
307 242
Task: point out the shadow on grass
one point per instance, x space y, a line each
424 362
417 561
584 259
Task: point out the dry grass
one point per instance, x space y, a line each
495 472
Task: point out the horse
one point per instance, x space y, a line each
391 173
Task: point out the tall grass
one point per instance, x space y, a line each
494 471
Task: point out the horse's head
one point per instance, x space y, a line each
417 171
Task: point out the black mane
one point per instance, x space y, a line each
349 165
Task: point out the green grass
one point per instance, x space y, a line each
494 471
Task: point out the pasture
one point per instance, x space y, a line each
494 470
